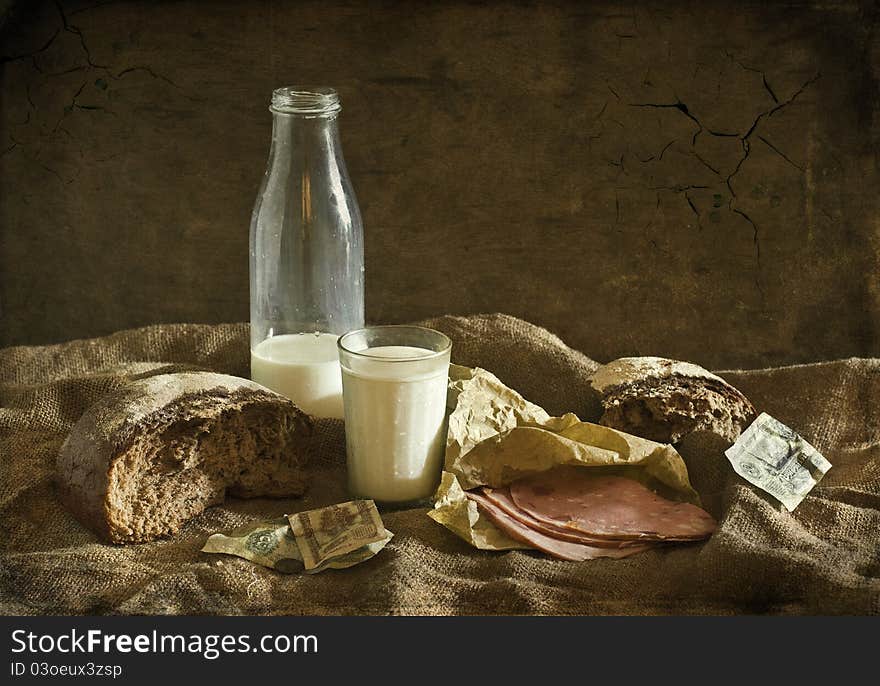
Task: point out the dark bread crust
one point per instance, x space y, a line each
169 417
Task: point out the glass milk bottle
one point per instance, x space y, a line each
306 254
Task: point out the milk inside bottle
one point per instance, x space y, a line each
303 367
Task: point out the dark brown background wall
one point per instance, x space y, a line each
689 179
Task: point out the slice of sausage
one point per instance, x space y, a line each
563 550
501 498
608 506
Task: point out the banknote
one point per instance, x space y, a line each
354 557
330 532
270 543
777 460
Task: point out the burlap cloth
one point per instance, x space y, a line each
823 558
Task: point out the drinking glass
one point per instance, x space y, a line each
394 381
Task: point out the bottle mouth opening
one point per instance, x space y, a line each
306 101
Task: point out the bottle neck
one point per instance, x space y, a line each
305 141
306 149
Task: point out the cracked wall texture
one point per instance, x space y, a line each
697 180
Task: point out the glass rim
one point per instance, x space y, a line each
308 101
430 354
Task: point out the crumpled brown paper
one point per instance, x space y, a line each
496 436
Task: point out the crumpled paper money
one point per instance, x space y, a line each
330 532
341 536
777 460
496 436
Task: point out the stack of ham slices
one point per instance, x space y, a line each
574 514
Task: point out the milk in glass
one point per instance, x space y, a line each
395 412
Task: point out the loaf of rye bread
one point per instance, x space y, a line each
143 460
665 400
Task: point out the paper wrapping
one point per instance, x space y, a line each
496 436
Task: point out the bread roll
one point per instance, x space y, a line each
665 400
142 461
